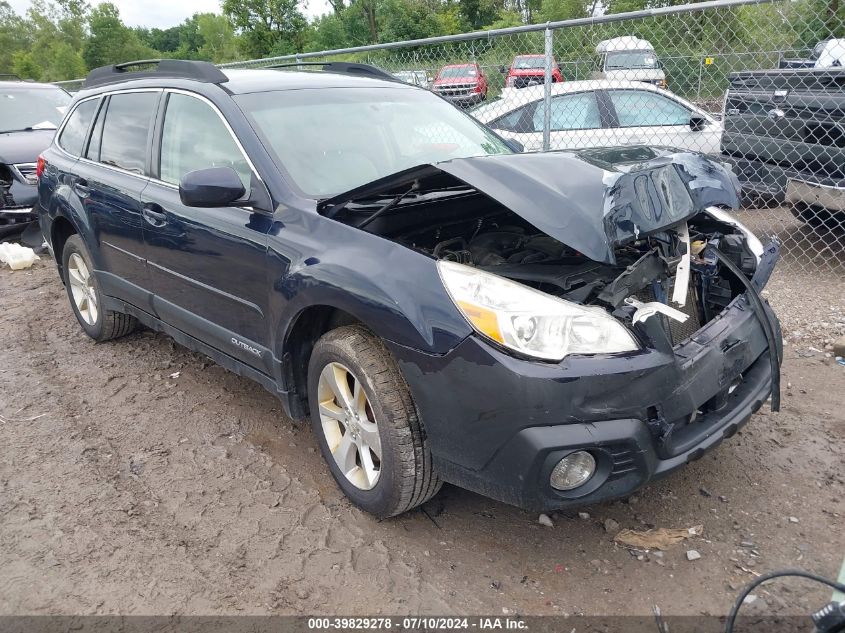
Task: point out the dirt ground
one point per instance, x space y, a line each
139 478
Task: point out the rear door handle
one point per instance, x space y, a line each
81 188
153 215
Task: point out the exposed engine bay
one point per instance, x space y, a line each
645 270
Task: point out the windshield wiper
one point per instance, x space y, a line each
387 207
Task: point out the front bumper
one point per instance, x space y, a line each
462 100
497 424
16 208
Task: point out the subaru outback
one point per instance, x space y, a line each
549 329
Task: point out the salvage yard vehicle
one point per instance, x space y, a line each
530 70
784 136
465 85
602 113
29 115
549 330
630 58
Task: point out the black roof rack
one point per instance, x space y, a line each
180 68
9 77
346 68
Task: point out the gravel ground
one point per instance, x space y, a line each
139 478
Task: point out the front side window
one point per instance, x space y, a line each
641 108
193 137
578 111
126 129
24 108
330 141
73 134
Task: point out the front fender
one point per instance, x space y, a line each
394 291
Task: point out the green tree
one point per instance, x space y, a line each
111 41
63 63
554 10
217 36
25 66
267 25
13 36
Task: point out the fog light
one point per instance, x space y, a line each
573 470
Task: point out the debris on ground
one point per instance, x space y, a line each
693 554
611 526
545 520
793 519
660 538
16 256
584 516
839 347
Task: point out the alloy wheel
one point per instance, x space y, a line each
349 426
82 289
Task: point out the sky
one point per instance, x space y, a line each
166 13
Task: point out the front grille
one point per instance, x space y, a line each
678 332
27 172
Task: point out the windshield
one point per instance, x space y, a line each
452 72
331 141
631 59
26 107
523 63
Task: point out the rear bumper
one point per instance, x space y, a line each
497 424
14 221
784 185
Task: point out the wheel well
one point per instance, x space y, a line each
309 326
61 230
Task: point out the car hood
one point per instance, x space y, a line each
591 200
24 147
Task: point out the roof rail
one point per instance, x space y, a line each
9 77
180 68
345 68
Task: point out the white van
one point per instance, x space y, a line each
629 58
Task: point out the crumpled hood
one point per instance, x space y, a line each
24 147
592 200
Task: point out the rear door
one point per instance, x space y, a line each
109 179
208 265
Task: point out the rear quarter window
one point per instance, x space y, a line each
72 137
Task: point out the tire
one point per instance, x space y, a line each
101 325
405 474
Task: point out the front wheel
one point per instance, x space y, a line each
367 425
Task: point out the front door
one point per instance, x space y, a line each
208 265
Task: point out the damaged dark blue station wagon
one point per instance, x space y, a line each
549 330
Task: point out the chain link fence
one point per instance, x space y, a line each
757 84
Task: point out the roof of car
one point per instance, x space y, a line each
243 81
20 83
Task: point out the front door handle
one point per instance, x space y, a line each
153 215
81 188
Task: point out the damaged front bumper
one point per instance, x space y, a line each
641 416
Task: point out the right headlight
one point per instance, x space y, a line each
529 321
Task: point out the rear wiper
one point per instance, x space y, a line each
387 207
27 129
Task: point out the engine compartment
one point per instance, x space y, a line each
485 235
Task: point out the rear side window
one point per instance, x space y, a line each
72 137
578 111
194 137
125 130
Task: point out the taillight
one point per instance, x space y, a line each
478 87
39 166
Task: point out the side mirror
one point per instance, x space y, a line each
515 145
503 70
214 187
697 123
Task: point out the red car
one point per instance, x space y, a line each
462 84
529 70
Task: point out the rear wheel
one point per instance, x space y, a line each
367 425
85 297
